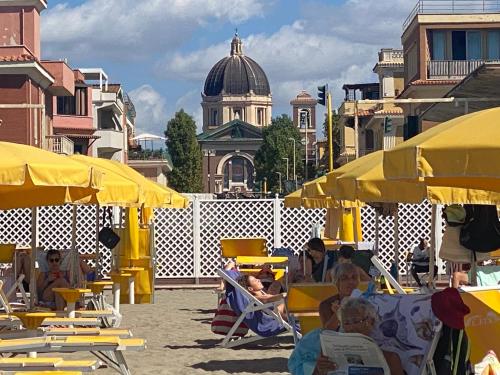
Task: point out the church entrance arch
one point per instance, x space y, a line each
237 170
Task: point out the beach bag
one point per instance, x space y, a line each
224 320
451 249
451 356
106 235
481 233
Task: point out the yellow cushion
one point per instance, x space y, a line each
7 252
233 247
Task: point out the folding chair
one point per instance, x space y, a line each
259 317
303 301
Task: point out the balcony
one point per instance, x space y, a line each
390 55
452 7
148 155
60 144
451 69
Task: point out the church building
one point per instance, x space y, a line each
237 104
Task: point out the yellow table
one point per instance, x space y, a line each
71 295
260 260
116 278
97 287
32 321
131 281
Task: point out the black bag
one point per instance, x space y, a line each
106 235
451 356
481 231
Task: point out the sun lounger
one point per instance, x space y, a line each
93 313
108 349
42 373
47 364
64 321
56 331
259 317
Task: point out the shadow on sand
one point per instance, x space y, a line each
253 366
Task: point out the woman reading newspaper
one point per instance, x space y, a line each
357 315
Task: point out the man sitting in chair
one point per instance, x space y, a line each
54 278
420 260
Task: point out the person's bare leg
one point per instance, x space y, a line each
459 278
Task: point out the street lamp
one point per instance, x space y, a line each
279 176
294 172
287 178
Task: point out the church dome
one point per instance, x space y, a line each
236 74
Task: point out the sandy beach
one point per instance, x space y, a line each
179 340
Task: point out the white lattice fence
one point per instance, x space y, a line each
296 225
231 218
188 241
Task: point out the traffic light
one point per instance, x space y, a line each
322 94
387 125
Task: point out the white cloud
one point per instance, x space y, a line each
130 29
151 110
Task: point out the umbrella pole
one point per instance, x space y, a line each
432 254
97 254
396 242
74 258
355 229
34 245
377 237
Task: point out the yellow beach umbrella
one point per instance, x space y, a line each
367 182
462 152
31 177
150 194
116 190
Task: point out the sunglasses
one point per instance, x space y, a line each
54 260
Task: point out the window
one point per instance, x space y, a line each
73 105
260 116
438 45
237 113
493 45
214 117
304 119
369 141
474 50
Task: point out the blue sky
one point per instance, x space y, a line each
161 50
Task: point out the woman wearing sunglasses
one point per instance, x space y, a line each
54 278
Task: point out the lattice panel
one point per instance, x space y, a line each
232 218
386 234
54 226
15 226
174 242
296 225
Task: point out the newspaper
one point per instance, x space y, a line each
354 354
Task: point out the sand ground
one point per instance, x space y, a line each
179 340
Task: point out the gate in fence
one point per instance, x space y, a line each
187 241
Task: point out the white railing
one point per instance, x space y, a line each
60 144
391 55
187 241
452 7
451 69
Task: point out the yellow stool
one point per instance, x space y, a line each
97 287
31 321
131 281
116 278
71 295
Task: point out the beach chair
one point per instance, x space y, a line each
95 331
303 301
407 326
108 349
259 317
52 364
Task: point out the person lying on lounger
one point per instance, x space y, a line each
254 286
54 278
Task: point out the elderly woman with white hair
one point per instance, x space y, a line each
357 315
345 277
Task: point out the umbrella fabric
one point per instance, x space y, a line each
31 177
312 195
464 151
116 189
151 194
366 182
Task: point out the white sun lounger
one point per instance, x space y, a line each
47 364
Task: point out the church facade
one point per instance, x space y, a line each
237 104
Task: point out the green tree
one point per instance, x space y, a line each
185 152
323 163
276 146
